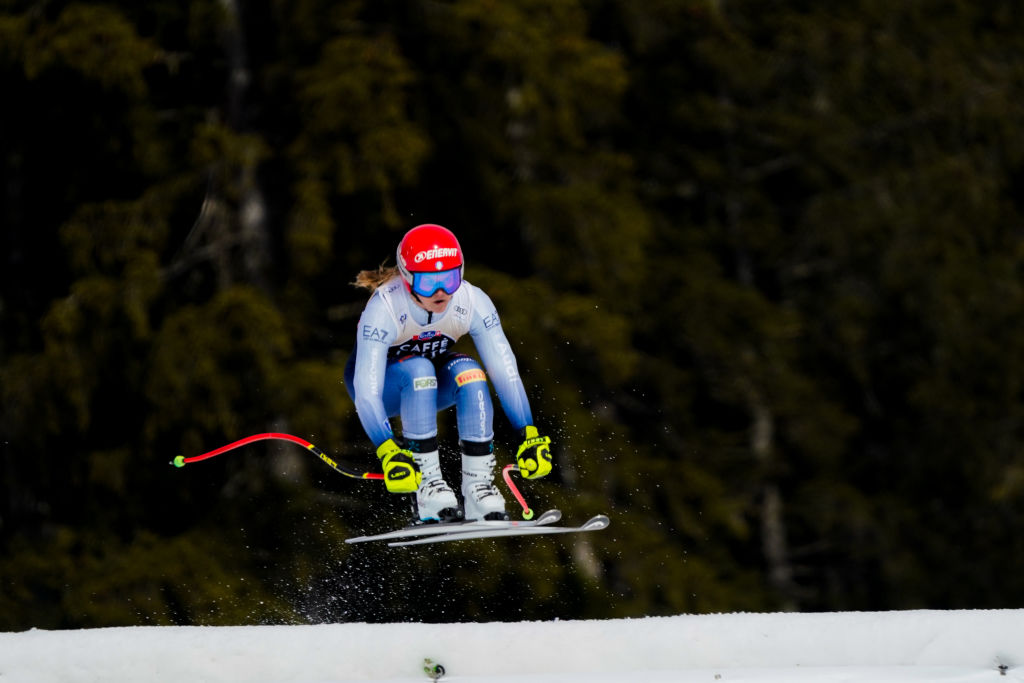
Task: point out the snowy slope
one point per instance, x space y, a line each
772 648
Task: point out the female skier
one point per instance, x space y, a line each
405 365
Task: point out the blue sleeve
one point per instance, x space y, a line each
373 335
499 361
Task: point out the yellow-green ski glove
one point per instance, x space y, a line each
400 472
534 455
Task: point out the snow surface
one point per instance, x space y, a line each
938 646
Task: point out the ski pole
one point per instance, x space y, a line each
181 461
506 472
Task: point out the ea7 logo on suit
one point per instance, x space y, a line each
376 334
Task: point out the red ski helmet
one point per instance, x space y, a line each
430 258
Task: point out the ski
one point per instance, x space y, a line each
595 523
430 529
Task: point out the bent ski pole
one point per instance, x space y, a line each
181 461
506 472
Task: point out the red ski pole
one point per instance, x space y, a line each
506 472
181 461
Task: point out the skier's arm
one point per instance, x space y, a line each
499 361
373 335
534 454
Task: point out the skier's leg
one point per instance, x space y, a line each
410 391
462 383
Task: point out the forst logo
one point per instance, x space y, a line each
436 252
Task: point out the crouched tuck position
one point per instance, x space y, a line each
405 366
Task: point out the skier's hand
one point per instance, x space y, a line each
401 475
534 455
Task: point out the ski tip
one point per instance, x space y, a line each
179 461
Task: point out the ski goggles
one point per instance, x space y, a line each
425 284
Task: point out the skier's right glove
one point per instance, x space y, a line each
401 475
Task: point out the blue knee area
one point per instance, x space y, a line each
416 367
418 396
464 384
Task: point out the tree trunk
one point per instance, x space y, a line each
235 239
252 229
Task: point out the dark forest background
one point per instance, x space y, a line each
761 263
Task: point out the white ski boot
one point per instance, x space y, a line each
481 499
435 501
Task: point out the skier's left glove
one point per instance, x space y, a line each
534 455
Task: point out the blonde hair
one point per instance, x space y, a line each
372 279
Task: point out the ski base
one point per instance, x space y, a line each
595 523
435 528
